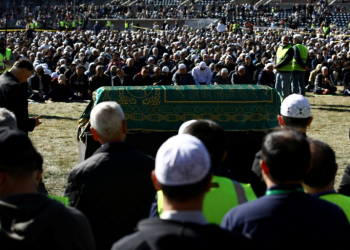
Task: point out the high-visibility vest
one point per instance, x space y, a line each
37 25
31 25
126 25
340 200
303 51
66 24
80 22
109 23
280 55
273 10
73 24
8 56
62 24
236 26
222 196
326 30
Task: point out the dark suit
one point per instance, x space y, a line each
113 189
126 82
45 80
14 97
236 79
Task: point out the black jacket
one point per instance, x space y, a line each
79 84
14 97
139 81
126 82
157 234
34 221
177 79
236 79
266 79
45 80
113 188
97 82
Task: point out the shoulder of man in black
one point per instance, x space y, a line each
156 233
55 225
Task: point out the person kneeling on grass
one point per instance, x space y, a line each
324 83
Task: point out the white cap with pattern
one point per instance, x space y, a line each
182 160
296 106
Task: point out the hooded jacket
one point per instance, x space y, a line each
34 221
156 234
88 72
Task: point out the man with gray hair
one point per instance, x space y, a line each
222 77
301 56
113 187
7 119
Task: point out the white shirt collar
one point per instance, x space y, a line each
188 216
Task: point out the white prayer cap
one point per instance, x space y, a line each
296 106
194 56
150 59
324 67
330 60
38 67
165 69
240 68
268 65
185 125
312 51
202 65
181 66
182 160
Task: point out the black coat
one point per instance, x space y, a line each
167 234
236 79
127 81
45 80
113 189
139 81
14 98
97 82
51 221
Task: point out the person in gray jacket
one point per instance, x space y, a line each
222 77
182 77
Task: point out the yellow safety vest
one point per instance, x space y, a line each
37 25
62 24
222 196
236 26
303 51
326 30
31 25
340 200
126 25
280 55
313 26
108 23
80 22
8 56
73 24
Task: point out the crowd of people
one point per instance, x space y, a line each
71 65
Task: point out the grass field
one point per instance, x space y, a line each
56 137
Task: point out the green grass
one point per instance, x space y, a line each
56 137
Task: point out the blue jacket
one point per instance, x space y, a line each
290 220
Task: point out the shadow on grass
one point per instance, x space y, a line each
49 117
331 109
333 106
